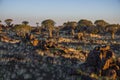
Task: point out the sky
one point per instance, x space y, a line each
59 10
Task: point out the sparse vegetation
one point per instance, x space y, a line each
47 56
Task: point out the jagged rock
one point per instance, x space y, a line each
111 74
100 60
118 61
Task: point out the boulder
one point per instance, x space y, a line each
111 74
100 60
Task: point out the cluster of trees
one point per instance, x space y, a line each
98 27
84 25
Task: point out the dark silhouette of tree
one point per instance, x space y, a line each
101 24
71 25
37 29
8 22
83 25
37 23
65 24
0 22
25 22
84 22
0 25
112 29
49 25
118 31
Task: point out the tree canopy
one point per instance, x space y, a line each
112 29
85 22
25 22
49 25
21 30
100 23
8 22
71 25
83 25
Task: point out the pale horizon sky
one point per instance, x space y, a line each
60 10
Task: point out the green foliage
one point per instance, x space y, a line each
21 30
83 25
112 29
100 23
94 30
84 22
49 25
71 25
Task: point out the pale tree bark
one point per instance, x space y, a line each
73 32
50 33
112 36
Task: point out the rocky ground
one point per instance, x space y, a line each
19 61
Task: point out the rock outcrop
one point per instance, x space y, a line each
101 61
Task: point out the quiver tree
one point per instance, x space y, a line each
84 25
37 23
85 22
22 30
100 25
25 22
37 29
49 25
8 22
71 25
112 29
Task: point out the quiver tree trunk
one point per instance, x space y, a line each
50 33
112 35
72 32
